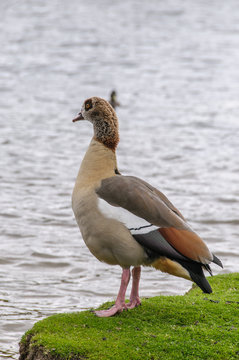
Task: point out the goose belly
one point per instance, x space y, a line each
106 234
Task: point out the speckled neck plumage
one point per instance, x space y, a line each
105 124
106 135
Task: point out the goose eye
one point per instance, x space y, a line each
88 105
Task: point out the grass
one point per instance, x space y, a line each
193 326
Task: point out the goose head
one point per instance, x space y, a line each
104 119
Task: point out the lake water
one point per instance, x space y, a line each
175 67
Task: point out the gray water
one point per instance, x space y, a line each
175 65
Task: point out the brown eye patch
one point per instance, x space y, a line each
88 104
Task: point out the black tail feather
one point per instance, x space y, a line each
217 261
202 282
207 267
197 275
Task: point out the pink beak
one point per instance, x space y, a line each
79 117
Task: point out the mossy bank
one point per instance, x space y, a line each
193 326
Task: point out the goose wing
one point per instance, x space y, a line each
149 204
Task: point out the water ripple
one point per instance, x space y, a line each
179 131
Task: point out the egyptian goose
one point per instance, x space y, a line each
125 221
113 99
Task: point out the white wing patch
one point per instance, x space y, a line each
134 223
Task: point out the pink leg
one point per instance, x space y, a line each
120 301
134 296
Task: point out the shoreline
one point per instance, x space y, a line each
194 325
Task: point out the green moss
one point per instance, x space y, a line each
193 326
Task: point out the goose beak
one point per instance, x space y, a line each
79 117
